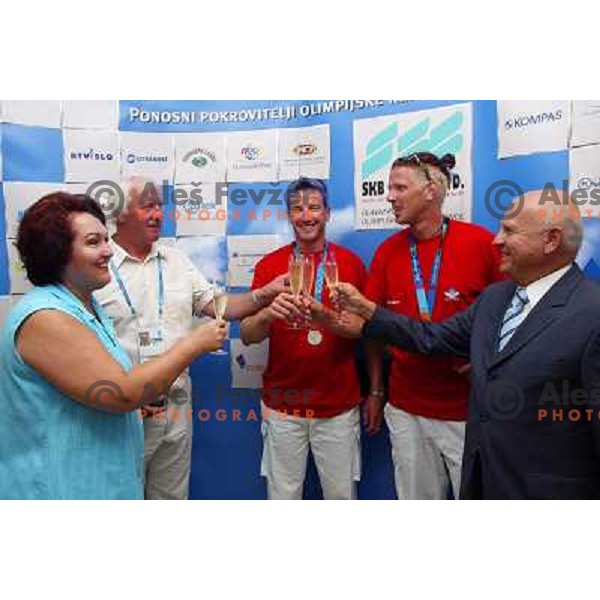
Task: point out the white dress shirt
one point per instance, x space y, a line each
186 293
539 288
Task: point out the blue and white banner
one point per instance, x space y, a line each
200 157
149 154
585 123
91 155
378 142
530 126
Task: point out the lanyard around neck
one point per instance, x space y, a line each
161 287
426 301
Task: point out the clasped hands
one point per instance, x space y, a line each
302 309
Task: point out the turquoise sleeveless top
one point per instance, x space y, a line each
51 446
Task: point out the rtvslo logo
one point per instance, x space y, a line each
91 154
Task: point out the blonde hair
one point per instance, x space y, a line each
429 174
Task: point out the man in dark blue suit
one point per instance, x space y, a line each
533 428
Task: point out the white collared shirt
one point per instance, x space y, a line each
186 293
539 288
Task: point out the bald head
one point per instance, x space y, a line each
553 209
540 233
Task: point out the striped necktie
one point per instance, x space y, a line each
513 317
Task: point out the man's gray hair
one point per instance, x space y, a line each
132 188
568 218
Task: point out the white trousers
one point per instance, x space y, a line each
427 454
335 444
168 450
167 460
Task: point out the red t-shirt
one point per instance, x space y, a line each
430 386
300 376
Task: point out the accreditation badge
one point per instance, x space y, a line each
150 342
315 337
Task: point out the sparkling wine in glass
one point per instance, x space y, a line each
332 277
220 299
308 276
296 272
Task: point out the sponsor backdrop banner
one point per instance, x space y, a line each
224 167
377 142
528 126
585 123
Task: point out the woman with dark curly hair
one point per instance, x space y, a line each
68 393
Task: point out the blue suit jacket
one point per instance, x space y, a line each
552 364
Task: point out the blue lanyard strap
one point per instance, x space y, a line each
320 275
426 301
161 287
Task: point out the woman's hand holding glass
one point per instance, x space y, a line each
220 300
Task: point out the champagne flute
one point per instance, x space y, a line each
220 299
332 277
308 276
296 276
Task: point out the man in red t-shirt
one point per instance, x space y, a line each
431 270
310 386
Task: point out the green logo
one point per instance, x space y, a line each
199 161
390 142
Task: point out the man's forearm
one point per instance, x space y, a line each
451 336
374 355
238 306
242 305
366 309
256 328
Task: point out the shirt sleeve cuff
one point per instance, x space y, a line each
374 324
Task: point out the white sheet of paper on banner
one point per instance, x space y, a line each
20 196
90 114
244 252
585 122
6 303
196 210
584 179
19 284
379 141
248 363
530 126
40 113
304 152
105 194
252 156
200 157
148 154
91 156
81 188
169 242
208 255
